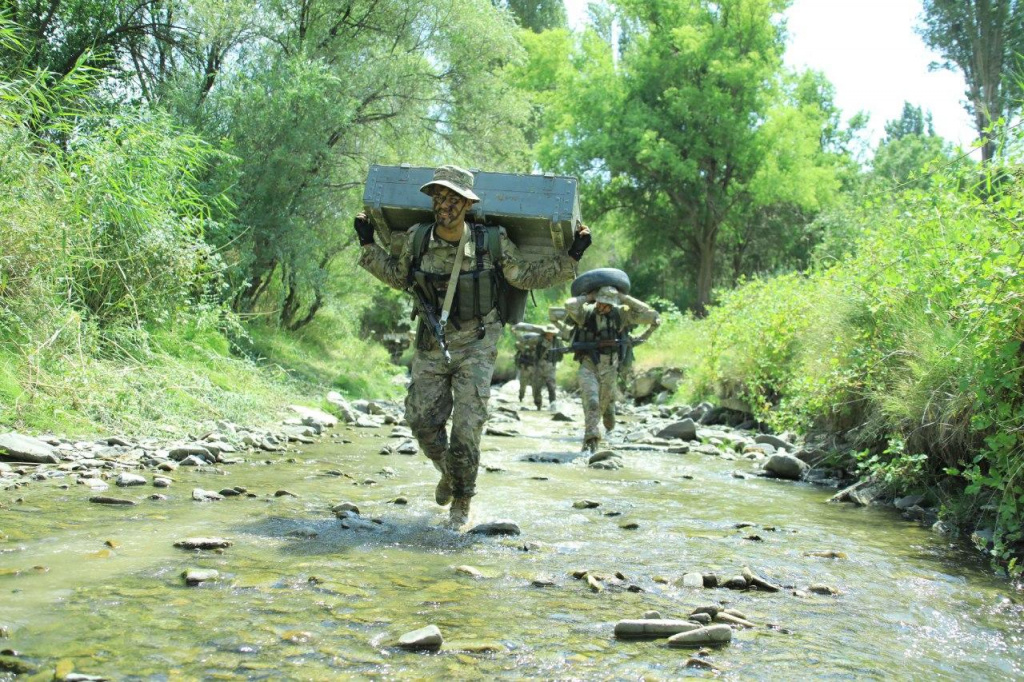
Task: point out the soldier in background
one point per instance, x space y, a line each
545 366
525 360
602 318
457 387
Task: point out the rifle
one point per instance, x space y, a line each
624 342
430 319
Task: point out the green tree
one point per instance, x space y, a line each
913 121
905 159
307 94
688 128
536 15
984 39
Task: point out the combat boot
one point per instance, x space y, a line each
443 491
458 515
609 420
590 444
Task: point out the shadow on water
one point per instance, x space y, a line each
328 537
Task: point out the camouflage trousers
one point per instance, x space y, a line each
543 377
526 374
598 390
458 391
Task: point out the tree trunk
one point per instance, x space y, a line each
705 274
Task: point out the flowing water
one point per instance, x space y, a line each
301 597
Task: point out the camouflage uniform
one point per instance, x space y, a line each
459 390
544 372
598 379
525 364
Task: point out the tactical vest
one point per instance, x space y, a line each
591 331
477 291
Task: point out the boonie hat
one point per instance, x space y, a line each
457 179
609 295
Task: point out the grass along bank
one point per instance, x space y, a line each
906 348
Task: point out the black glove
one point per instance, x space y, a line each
579 244
364 228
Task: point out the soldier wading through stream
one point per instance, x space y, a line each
600 342
457 271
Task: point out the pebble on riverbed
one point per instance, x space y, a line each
425 639
712 634
198 576
203 543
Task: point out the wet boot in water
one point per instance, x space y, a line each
590 444
609 420
443 491
458 515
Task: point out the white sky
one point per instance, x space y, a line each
870 53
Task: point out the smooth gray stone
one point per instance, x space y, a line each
15 447
424 638
644 627
774 441
196 576
759 582
693 580
652 615
203 543
585 504
785 466
100 499
712 634
683 430
200 495
126 480
602 456
345 507
497 528
185 451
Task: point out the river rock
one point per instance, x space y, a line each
408 447
183 452
759 582
711 609
496 528
314 415
161 482
862 494
470 571
197 576
344 507
730 619
710 580
785 466
602 456
585 504
652 615
200 495
702 618
15 447
908 501
100 499
125 480
203 543
827 554
737 582
822 588
561 417
712 634
643 628
692 580
774 441
428 638
683 430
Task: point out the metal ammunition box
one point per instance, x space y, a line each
540 212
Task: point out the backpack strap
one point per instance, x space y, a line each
419 245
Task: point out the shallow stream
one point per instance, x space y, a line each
99 589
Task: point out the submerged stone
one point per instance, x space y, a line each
652 627
428 637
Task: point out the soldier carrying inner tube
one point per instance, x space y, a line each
600 343
454 358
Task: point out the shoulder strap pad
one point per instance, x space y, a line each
419 242
494 244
